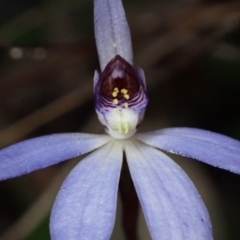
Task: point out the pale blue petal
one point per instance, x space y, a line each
85 207
111 31
171 204
41 152
212 148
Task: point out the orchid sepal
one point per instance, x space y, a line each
111 31
89 190
171 204
44 151
212 148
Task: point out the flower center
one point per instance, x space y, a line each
120 99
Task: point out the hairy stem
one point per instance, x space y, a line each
130 203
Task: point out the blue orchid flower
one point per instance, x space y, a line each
85 206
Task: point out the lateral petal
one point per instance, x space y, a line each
209 147
41 152
111 31
171 204
85 206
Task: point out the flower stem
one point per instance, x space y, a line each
130 203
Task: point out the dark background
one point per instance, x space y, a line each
190 51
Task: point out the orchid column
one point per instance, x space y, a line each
113 41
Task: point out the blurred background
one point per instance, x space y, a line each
190 51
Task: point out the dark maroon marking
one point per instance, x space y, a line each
129 80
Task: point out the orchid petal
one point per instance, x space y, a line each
111 31
41 152
212 148
171 204
86 203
